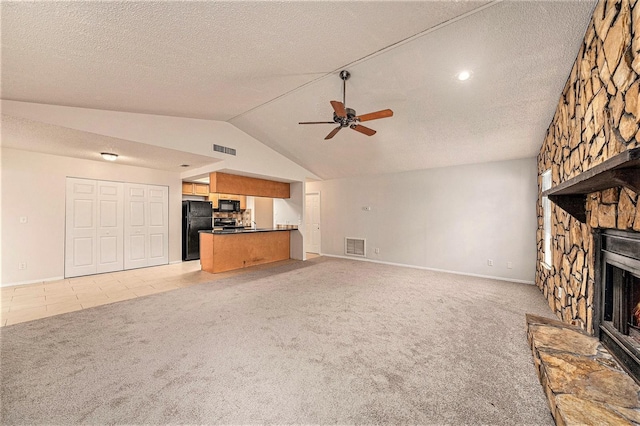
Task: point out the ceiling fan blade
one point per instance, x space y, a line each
338 107
317 122
367 131
333 133
375 115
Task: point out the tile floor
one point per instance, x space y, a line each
33 301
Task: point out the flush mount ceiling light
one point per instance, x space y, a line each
464 75
109 156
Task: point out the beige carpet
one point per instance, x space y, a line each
322 341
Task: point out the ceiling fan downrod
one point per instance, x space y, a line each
344 75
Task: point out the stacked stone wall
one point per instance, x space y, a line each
597 117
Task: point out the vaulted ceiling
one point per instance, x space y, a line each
265 66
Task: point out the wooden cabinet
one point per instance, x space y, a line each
187 188
214 200
226 183
213 197
201 189
226 252
192 188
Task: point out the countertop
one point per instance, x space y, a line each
244 231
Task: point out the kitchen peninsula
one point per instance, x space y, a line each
227 250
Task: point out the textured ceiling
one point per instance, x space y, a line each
520 54
264 66
28 135
210 60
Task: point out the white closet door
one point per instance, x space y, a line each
136 228
110 230
312 223
80 244
158 225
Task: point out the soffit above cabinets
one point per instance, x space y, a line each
243 185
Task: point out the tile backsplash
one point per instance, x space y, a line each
242 218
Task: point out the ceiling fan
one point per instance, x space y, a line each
346 117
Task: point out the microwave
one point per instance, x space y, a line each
229 205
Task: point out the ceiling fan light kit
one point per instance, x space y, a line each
347 117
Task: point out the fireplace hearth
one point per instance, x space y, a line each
619 290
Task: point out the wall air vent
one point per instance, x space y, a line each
355 246
224 149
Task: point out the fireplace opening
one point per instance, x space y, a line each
622 302
619 326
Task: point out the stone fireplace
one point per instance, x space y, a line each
595 130
618 290
589 226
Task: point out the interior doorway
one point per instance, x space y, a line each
312 223
263 212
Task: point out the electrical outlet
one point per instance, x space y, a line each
23 219
22 265
509 265
489 262
377 250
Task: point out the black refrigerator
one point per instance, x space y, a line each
196 216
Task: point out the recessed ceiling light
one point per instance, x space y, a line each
109 156
464 75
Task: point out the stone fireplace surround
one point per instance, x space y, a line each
613 256
596 120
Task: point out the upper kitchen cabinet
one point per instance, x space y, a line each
243 185
214 199
193 188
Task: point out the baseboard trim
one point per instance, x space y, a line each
31 282
404 265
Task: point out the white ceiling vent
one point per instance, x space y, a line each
224 149
355 246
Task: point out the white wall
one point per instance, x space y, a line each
186 134
263 212
33 185
452 219
290 211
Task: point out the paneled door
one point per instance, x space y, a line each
94 227
110 229
146 230
111 226
80 256
158 225
312 223
136 227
